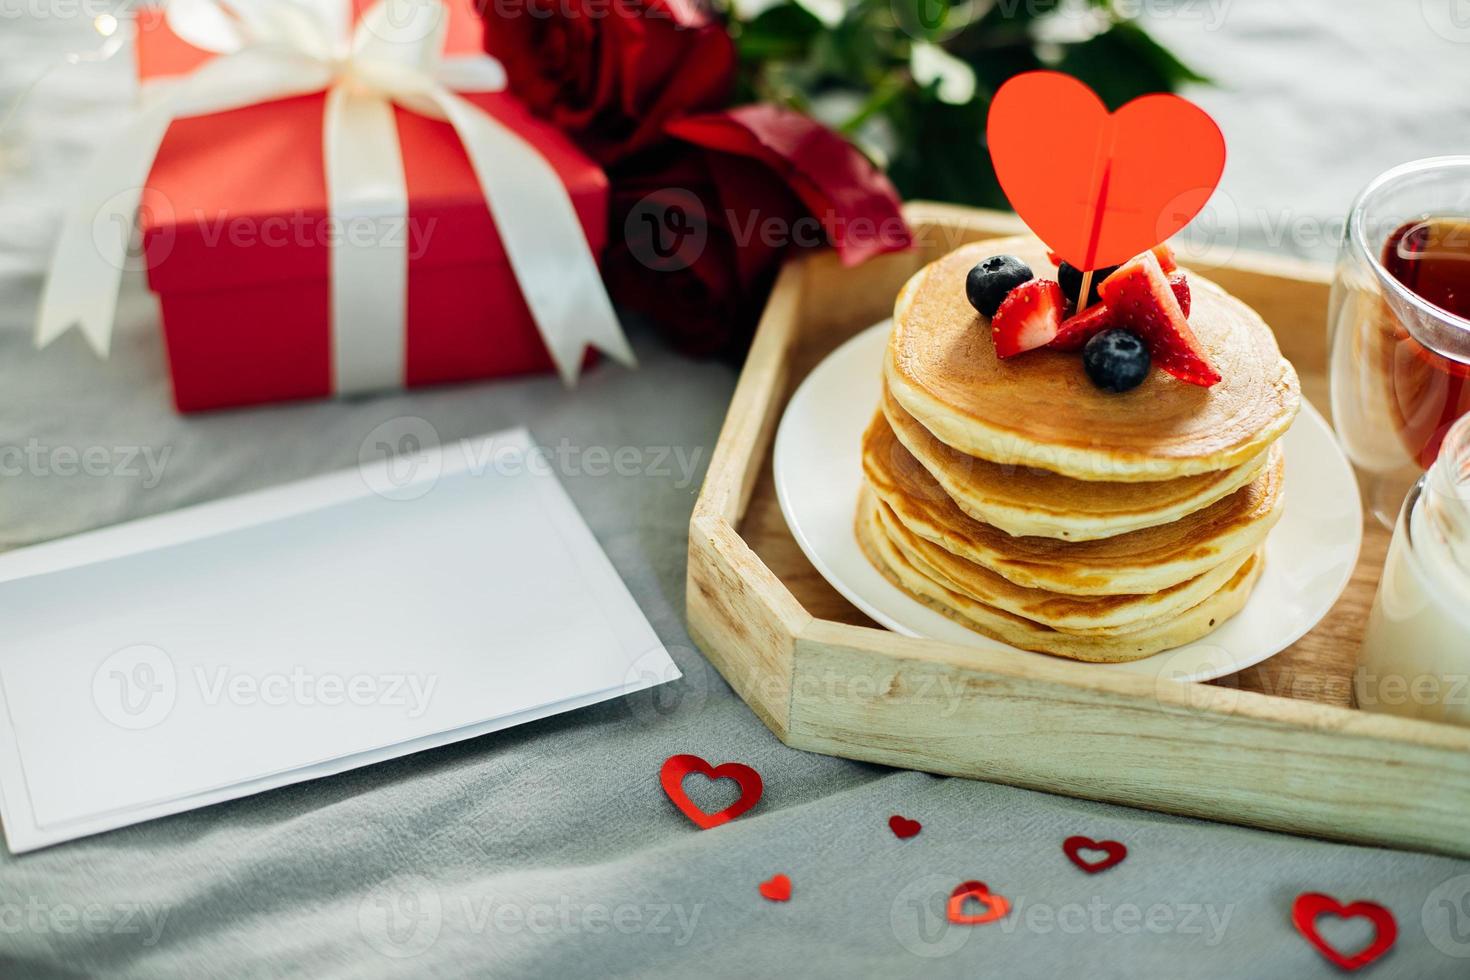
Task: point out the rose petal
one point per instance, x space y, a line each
856 204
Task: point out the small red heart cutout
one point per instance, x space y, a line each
1113 853
1100 187
777 889
676 767
903 827
1306 909
996 906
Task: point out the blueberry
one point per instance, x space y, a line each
1116 360
991 281
1071 280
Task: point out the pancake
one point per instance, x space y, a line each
1080 615
1039 409
1024 501
1018 631
1148 560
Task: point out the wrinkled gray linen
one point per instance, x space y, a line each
549 850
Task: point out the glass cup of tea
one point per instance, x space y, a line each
1399 325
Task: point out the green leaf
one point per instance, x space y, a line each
1123 63
942 154
860 75
779 33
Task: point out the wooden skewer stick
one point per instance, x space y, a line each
1086 288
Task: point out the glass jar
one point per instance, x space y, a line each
1399 352
1416 652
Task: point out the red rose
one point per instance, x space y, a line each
699 227
857 206
611 73
705 204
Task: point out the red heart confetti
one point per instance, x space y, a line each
1114 853
996 906
902 827
1100 187
676 767
777 889
1309 906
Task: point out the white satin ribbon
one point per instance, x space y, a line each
274 49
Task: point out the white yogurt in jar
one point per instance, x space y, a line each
1416 652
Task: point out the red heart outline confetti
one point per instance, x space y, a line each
1310 905
996 906
1099 187
1115 853
776 889
903 828
676 767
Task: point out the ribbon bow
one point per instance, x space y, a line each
392 54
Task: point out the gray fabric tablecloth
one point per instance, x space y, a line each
549 850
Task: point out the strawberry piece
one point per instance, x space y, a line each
1180 286
1077 330
1165 255
1028 318
1141 300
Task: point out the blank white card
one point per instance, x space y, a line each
224 649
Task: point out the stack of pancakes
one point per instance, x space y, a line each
1023 502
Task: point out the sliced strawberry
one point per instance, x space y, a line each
1180 286
1165 255
1142 301
1028 318
1077 330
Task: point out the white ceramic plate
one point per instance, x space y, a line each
818 469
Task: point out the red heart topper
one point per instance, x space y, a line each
676 767
996 906
1113 853
1100 187
1306 909
903 827
777 889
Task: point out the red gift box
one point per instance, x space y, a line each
237 239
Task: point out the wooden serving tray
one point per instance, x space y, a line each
1277 746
